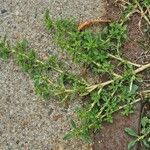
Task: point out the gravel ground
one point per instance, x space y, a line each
26 121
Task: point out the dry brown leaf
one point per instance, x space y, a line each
89 23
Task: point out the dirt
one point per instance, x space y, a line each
132 49
112 136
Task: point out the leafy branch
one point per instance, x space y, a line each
102 85
39 71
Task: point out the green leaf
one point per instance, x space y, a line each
47 20
146 143
73 124
95 96
21 46
146 3
134 89
131 132
4 50
145 121
131 144
67 136
87 139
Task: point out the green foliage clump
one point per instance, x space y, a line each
118 33
146 3
4 49
86 47
95 51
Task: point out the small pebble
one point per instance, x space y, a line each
3 11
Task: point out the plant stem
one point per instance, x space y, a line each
49 81
121 107
124 61
97 64
93 87
65 91
134 102
143 67
146 91
120 59
142 12
143 136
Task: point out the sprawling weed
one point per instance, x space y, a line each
94 50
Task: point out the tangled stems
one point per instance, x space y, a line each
136 6
101 109
146 94
124 61
87 87
39 71
102 85
93 116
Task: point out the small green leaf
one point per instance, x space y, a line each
67 136
73 124
130 132
131 144
134 89
145 121
146 143
87 139
47 20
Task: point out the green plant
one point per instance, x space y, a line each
4 50
66 84
104 99
144 136
96 51
91 49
